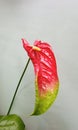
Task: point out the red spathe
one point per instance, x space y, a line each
44 63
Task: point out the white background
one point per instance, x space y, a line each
53 21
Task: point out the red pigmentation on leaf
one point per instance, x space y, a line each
46 78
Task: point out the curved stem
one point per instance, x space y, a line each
18 87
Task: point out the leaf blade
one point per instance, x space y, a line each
11 122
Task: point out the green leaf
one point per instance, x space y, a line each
11 122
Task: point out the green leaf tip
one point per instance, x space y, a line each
43 103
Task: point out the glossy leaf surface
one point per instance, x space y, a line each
11 122
46 78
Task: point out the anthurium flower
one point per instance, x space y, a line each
46 78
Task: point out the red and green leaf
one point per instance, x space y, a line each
46 78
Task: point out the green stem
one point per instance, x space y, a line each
18 87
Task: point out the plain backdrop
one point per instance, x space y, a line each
53 21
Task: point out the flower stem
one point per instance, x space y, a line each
18 87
